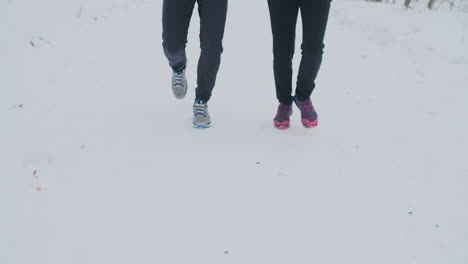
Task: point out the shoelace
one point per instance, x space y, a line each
200 109
306 107
179 79
284 110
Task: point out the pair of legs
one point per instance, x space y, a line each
284 14
176 21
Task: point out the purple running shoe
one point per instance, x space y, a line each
308 115
282 116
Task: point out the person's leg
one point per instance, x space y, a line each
314 19
212 23
176 20
283 16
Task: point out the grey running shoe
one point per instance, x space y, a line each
179 84
201 117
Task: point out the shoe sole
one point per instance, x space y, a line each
308 124
202 126
282 125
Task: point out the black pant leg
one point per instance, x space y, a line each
176 21
212 24
314 17
283 16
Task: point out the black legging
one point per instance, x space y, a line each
283 14
176 20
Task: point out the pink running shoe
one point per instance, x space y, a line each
308 115
282 116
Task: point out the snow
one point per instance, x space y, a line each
99 163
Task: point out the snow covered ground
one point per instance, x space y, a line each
99 163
